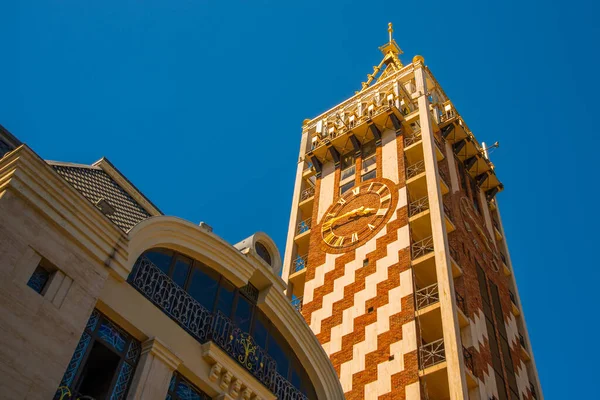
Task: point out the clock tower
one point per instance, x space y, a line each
396 255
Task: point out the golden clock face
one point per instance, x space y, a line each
358 214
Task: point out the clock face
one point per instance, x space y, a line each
358 214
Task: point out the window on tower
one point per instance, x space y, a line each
348 165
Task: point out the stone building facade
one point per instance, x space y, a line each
396 253
104 296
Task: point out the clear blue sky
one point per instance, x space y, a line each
200 104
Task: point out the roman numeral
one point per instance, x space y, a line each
386 198
370 186
354 237
339 241
330 237
371 227
381 211
341 201
382 189
356 191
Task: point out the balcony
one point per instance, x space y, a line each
297 303
303 234
204 326
463 320
298 274
470 368
432 369
505 265
420 218
524 352
429 312
515 307
308 171
454 260
497 231
421 248
413 148
416 181
307 197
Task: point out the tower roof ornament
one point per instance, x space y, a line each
392 63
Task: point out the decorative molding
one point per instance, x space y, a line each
159 350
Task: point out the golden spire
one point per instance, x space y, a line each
391 51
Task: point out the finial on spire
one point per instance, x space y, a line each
390 30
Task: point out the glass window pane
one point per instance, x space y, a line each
203 287
180 271
243 314
161 258
225 297
346 187
259 330
347 161
369 175
368 149
276 351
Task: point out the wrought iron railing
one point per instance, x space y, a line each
415 169
512 297
503 258
422 247
443 175
468 357
446 115
418 206
522 341
432 353
532 390
447 212
297 303
303 226
204 325
300 262
496 225
454 253
307 193
460 302
427 296
413 138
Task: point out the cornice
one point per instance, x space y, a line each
24 173
159 350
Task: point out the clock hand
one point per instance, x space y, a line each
362 210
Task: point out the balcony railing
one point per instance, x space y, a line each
432 353
418 206
300 263
522 341
297 303
422 247
447 212
454 253
496 224
307 193
468 357
503 257
532 389
415 169
512 297
446 115
427 296
460 303
413 138
204 325
304 226
443 175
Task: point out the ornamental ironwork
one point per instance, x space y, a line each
432 353
412 139
297 303
415 169
300 263
422 247
468 357
204 325
427 296
418 206
307 193
304 226
460 303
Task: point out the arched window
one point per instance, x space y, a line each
262 252
220 310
